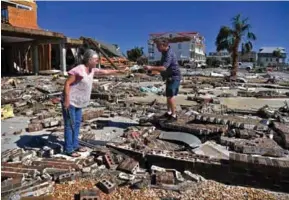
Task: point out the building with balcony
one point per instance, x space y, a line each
219 54
252 56
225 56
222 57
188 46
267 58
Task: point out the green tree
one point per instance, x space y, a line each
230 39
135 53
209 61
143 60
278 54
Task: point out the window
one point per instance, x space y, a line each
23 7
151 50
271 59
277 59
171 35
180 46
4 15
267 59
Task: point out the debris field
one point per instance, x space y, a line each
213 151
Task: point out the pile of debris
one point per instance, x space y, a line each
207 141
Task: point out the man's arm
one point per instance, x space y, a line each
157 68
166 64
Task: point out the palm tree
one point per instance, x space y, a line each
230 39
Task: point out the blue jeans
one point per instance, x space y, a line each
71 137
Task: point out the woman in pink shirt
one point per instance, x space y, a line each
76 95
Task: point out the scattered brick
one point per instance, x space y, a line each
129 165
91 114
47 197
92 194
70 176
108 160
106 186
164 178
34 127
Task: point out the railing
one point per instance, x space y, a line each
4 16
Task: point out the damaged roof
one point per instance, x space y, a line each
112 49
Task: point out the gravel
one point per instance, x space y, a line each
206 190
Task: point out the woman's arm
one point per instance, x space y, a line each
71 79
110 71
155 68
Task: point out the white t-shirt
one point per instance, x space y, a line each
80 91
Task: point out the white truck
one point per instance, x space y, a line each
245 65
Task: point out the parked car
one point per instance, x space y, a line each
195 65
241 65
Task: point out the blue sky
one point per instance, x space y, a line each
128 24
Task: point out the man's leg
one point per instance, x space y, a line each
169 96
169 110
172 105
172 91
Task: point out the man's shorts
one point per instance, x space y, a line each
172 88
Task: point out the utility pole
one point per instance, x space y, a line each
99 57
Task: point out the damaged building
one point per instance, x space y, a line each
29 49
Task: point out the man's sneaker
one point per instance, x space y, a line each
166 115
172 119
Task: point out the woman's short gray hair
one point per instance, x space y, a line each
88 54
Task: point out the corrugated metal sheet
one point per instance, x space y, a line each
187 138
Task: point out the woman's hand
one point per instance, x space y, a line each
66 103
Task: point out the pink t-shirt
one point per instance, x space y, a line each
80 91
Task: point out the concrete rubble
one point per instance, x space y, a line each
131 147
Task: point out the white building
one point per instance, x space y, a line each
186 45
266 57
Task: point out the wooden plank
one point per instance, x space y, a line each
49 56
73 41
95 45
